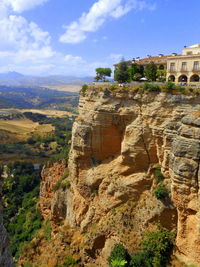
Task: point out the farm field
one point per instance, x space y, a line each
65 87
34 135
49 112
25 127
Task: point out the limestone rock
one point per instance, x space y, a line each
117 140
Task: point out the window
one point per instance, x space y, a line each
172 66
184 66
189 53
196 65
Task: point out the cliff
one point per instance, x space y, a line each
5 256
119 140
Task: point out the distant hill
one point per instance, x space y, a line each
11 75
36 97
18 79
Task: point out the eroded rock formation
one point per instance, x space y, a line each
118 140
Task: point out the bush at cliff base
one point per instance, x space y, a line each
119 255
155 252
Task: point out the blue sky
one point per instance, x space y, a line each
44 37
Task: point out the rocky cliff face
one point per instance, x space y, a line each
116 142
184 162
5 256
119 139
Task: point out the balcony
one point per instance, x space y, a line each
196 70
184 70
172 71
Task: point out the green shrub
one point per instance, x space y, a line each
141 259
47 230
95 191
65 174
118 263
151 87
162 80
169 86
118 254
180 89
161 191
112 87
57 186
156 249
158 174
70 261
158 245
27 264
65 185
84 89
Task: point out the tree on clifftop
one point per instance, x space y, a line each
135 72
101 73
151 72
122 72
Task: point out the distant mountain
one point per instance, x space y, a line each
11 75
18 79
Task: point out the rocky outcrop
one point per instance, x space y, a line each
51 175
118 141
5 255
184 170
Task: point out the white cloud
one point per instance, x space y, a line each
22 5
26 48
22 41
73 34
97 15
38 63
73 59
16 33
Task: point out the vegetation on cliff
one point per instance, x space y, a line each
142 88
21 180
20 195
155 251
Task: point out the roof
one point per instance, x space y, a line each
194 46
155 59
144 61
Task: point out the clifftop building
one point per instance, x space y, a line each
185 67
180 68
160 61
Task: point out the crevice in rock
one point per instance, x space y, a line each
143 139
98 244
